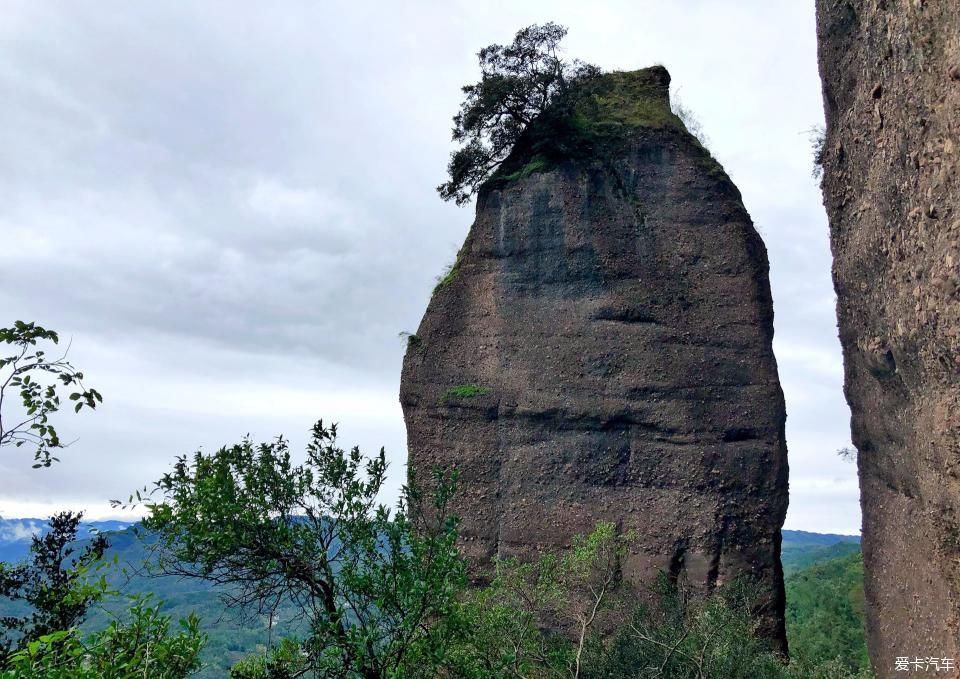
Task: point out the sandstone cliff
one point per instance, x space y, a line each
891 85
602 350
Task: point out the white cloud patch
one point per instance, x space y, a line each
19 531
233 213
279 202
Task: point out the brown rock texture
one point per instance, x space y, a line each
602 351
891 86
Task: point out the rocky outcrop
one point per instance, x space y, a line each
891 86
601 350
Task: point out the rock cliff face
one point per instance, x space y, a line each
891 85
602 351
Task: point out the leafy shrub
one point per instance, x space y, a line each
53 587
140 645
35 376
690 636
369 581
536 618
449 273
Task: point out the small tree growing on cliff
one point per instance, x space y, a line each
517 84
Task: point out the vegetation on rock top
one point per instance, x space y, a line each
531 109
519 83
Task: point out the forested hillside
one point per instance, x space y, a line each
825 609
801 548
824 586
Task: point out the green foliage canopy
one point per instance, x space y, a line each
52 586
536 619
825 612
518 83
57 589
370 582
141 644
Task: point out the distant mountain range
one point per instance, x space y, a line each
801 549
802 538
15 534
15 539
231 635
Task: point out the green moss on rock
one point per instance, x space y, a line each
537 164
466 391
594 115
636 98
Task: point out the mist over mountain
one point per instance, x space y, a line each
15 534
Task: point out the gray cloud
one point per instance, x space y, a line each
230 208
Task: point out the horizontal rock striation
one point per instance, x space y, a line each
601 350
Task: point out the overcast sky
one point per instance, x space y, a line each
230 209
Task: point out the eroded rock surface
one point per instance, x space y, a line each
602 351
891 84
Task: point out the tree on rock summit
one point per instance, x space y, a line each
518 83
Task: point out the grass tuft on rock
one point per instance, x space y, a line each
449 273
466 391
